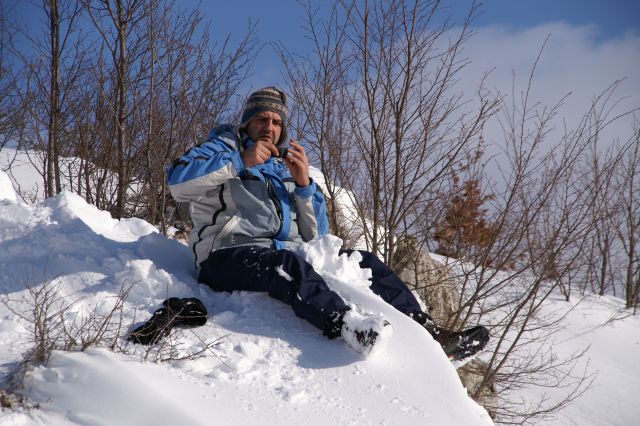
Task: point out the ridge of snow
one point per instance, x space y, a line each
268 366
272 367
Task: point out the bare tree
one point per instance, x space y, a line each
182 101
118 23
408 124
50 78
600 260
9 109
170 83
629 228
376 104
318 87
53 165
600 249
144 84
548 207
380 112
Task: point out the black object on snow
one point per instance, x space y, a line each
175 312
333 327
459 345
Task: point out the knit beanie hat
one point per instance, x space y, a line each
266 99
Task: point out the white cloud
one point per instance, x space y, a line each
575 59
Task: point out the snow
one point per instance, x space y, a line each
6 190
612 337
263 365
23 174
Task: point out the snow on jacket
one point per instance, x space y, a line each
233 205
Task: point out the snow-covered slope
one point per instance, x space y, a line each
611 336
269 367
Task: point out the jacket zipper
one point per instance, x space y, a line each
223 206
276 201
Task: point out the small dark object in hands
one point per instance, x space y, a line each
283 152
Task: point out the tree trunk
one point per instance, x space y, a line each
53 166
122 112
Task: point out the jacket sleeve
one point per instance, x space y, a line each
203 168
312 212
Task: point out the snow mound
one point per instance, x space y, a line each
263 366
6 188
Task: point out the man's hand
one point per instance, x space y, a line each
259 153
298 163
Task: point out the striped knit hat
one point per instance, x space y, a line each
266 99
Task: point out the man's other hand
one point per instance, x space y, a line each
259 153
298 163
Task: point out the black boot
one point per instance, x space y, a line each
459 345
188 311
333 326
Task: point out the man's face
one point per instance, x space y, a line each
265 126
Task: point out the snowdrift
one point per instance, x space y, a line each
268 367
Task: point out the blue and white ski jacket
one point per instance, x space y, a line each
233 205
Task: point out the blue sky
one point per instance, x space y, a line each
282 21
592 44
612 17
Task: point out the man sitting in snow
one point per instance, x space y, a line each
252 202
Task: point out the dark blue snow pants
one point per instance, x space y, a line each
289 278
